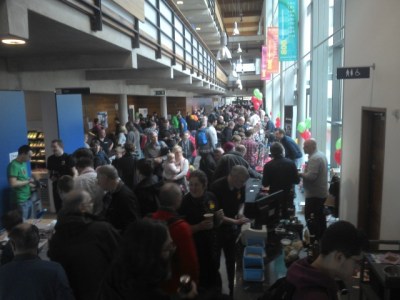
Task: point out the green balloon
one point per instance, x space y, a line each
338 144
256 92
308 123
301 127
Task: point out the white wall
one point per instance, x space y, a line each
371 36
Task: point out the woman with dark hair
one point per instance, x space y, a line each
195 206
142 264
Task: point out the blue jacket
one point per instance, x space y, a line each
292 150
29 277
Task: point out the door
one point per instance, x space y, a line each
371 170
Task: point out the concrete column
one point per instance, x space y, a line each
123 108
302 69
319 72
163 106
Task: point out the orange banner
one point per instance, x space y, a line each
272 50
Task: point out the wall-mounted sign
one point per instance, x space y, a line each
143 112
70 91
103 118
13 155
159 93
271 51
288 18
353 72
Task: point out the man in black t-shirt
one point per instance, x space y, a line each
281 174
230 193
58 164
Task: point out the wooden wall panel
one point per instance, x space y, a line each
92 104
176 103
152 103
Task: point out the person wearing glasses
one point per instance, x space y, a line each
142 265
341 249
185 258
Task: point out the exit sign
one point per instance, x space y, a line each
353 72
160 93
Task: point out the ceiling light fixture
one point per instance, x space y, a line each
239 50
179 2
233 72
223 52
13 41
198 28
236 29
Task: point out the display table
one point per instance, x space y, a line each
46 228
380 284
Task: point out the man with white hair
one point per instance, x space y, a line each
83 245
315 183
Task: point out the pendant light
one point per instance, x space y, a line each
233 72
239 50
236 29
223 52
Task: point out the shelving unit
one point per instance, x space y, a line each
36 142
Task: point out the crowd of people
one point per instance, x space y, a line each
134 214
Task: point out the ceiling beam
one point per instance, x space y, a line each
70 62
159 73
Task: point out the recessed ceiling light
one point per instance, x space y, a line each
179 2
198 28
13 41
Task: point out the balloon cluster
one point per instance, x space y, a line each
338 152
278 121
256 99
304 129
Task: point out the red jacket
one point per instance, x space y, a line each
184 260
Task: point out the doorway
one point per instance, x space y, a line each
372 155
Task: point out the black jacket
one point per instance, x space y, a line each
85 248
226 163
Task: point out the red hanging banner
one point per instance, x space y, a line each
265 75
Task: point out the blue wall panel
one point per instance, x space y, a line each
70 121
14 134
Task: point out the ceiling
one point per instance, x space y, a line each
56 46
247 14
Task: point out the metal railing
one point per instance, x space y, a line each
165 30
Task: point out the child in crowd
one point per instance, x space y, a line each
170 169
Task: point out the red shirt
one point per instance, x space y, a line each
185 257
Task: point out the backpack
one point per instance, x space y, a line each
202 137
280 290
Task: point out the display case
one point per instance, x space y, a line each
36 142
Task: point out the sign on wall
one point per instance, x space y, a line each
272 56
288 18
143 112
103 118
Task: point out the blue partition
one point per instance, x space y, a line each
14 135
70 121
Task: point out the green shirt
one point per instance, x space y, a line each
19 170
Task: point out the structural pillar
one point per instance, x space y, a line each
163 106
302 68
123 108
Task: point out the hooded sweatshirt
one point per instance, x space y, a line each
311 283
